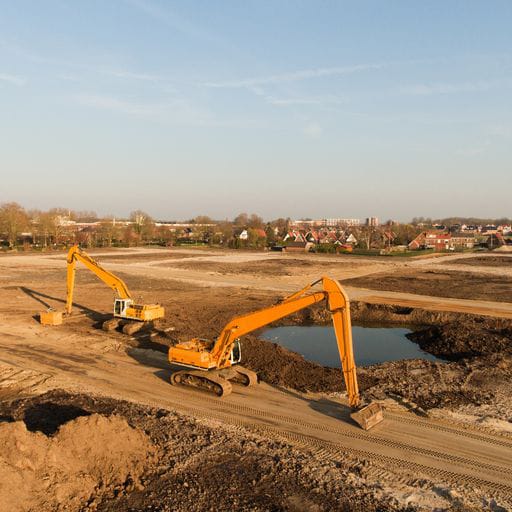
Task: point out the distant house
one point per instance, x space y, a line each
462 241
312 236
495 240
351 239
431 240
243 235
294 236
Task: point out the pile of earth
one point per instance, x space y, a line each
86 457
466 337
119 456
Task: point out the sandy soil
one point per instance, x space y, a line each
87 457
186 461
444 442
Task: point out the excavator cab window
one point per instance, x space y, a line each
118 307
236 352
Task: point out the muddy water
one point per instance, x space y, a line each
372 345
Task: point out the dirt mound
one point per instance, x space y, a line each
467 337
86 456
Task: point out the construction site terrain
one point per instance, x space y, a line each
89 420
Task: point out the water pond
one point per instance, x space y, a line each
372 345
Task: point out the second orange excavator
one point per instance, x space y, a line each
212 364
133 316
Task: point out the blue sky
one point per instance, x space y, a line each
284 108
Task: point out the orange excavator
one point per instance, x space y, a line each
212 364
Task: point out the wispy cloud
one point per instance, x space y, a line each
123 73
294 76
13 79
172 110
311 100
297 100
447 88
171 19
118 105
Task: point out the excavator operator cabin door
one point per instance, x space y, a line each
120 307
236 352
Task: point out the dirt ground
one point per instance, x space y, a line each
281 267
285 446
440 283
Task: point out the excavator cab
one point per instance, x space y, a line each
121 306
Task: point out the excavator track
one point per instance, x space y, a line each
244 376
132 327
209 381
111 325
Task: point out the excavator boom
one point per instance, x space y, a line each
76 254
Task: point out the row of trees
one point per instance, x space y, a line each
62 226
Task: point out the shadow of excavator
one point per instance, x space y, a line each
322 405
42 299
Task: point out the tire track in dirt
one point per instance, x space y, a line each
334 451
234 414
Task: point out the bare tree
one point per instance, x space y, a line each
242 219
143 224
255 221
13 220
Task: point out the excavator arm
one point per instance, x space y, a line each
76 254
338 305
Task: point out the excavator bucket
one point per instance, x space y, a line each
369 416
50 317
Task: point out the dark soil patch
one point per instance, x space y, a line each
485 261
141 257
457 285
